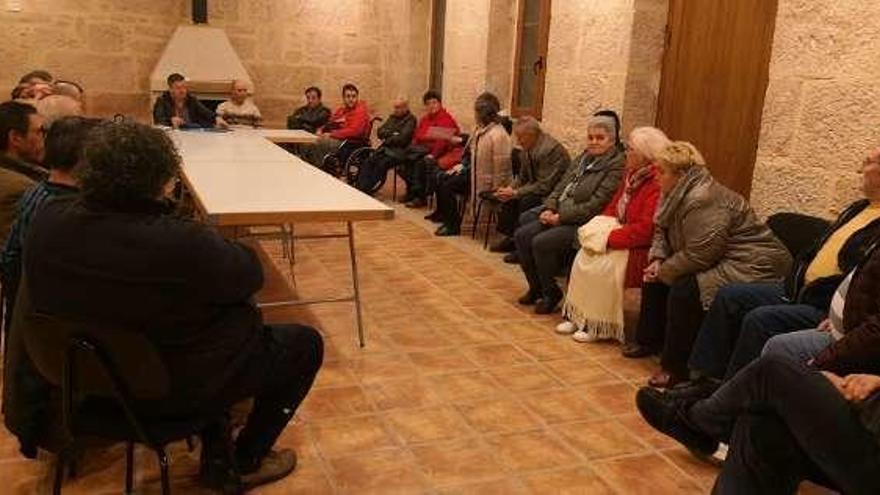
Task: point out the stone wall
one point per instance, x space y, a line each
602 54
111 46
465 47
822 106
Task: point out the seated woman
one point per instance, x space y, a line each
787 419
706 236
594 302
489 169
548 233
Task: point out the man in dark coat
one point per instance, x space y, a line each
116 255
311 116
396 134
178 109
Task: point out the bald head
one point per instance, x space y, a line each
239 91
401 106
54 107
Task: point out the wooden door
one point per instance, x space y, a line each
530 63
438 36
713 81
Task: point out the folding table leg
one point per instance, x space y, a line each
356 285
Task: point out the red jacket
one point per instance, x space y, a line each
637 231
354 121
436 147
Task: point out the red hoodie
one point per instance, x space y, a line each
354 122
436 147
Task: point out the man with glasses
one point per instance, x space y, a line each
22 135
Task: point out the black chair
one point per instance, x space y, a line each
102 373
798 232
493 205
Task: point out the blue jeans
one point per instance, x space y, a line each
801 346
740 320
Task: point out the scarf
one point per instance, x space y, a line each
633 182
670 201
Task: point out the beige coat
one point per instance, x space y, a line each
714 233
490 159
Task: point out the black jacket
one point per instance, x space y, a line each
854 250
396 134
179 282
199 114
308 118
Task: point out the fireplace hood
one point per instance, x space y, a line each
205 57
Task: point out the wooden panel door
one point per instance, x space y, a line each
438 37
530 63
713 81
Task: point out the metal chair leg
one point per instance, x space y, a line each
488 227
394 186
129 468
163 468
59 472
477 215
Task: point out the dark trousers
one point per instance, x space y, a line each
448 187
670 319
785 423
509 212
415 172
374 170
542 251
278 380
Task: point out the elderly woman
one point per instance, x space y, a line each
706 236
547 233
487 169
594 303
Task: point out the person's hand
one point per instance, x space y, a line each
429 157
858 387
219 122
455 139
652 271
505 194
455 170
320 132
544 217
825 326
549 218
176 122
836 381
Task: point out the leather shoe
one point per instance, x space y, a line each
503 245
669 417
529 298
694 390
512 258
636 351
446 230
416 203
547 305
434 216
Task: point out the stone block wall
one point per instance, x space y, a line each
602 54
111 46
822 106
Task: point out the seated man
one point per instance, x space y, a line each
178 109
351 121
34 85
63 150
22 134
543 162
118 256
435 137
786 420
744 316
395 133
239 110
311 116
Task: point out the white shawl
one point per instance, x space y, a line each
594 301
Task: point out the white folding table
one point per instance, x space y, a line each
240 178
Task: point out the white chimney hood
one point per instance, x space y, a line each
204 56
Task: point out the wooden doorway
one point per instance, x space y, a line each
438 38
530 63
715 72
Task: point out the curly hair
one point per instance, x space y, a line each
126 165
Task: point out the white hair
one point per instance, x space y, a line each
528 123
603 122
648 141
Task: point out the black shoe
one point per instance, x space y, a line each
694 390
434 216
669 417
548 304
636 351
275 466
529 298
446 230
503 245
417 203
512 258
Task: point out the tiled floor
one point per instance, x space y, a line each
458 390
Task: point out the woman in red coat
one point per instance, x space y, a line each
633 206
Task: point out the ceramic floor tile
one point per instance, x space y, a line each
427 425
389 471
531 451
498 354
402 393
600 439
580 371
579 480
524 377
612 399
465 386
561 405
448 360
645 474
498 415
336 402
350 435
457 462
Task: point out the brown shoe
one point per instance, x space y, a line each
276 465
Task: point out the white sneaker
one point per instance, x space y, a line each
583 337
565 328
